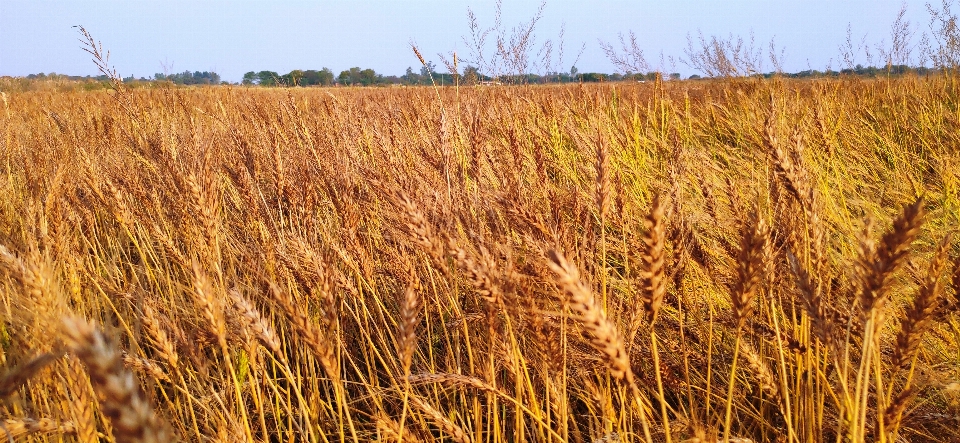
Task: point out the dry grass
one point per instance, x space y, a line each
682 261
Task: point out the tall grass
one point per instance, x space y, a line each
687 261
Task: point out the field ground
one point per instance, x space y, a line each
694 261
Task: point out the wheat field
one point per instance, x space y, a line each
699 261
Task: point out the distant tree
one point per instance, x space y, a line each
410 77
323 77
593 77
293 78
471 75
426 71
367 77
249 78
310 77
267 78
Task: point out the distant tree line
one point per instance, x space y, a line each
190 78
428 75
323 77
470 76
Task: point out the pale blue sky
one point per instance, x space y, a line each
233 37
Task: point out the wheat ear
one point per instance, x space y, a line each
81 402
446 425
603 333
482 386
131 415
918 320
919 316
760 371
409 320
393 431
652 273
12 428
878 264
309 331
159 338
254 322
794 176
16 377
751 262
754 253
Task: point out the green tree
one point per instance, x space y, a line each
249 78
410 77
294 77
326 77
368 77
425 71
471 75
312 77
351 77
267 78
